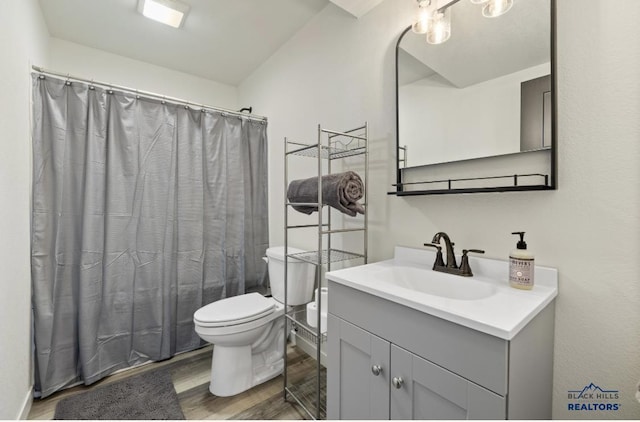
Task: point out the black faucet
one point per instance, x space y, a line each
451 266
451 257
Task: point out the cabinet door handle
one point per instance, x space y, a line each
397 382
376 369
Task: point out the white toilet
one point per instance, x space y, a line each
247 331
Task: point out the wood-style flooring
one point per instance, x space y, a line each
190 373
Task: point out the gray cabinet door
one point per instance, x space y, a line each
354 391
428 391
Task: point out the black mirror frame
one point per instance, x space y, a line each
551 180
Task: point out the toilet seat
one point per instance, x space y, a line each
234 310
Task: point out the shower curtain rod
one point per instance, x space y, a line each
174 100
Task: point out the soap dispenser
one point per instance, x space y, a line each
521 267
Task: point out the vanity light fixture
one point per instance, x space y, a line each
421 26
434 22
440 28
495 8
168 12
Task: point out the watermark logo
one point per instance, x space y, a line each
593 398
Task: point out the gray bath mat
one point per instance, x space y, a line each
147 396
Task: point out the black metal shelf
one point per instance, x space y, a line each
471 190
515 187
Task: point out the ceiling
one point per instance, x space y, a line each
221 40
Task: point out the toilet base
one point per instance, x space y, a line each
233 376
239 368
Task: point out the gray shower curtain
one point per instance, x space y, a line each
143 211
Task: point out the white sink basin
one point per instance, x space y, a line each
435 283
484 302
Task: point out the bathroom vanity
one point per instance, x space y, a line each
406 342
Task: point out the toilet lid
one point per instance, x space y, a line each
234 310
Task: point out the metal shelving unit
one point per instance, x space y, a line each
310 391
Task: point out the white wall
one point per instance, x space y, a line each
23 41
86 62
340 71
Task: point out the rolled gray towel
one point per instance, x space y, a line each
340 190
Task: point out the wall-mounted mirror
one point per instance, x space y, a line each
485 92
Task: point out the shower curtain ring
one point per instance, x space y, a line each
67 82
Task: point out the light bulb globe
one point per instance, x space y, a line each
440 28
495 8
421 26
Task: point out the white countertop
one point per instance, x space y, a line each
502 314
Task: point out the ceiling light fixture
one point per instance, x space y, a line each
168 12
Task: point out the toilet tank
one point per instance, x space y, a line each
300 277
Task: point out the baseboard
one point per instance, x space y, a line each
26 405
309 348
